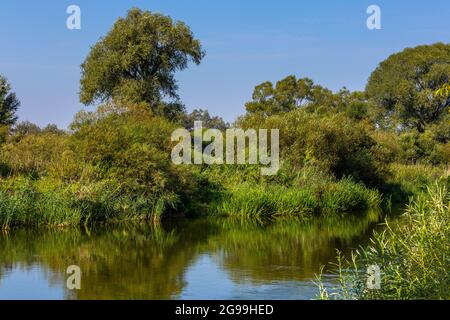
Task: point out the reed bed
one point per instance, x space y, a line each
413 255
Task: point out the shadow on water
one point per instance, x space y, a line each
198 259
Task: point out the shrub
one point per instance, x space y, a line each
132 148
33 154
333 143
411 180
23 203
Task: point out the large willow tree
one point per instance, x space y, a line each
137 59
404 85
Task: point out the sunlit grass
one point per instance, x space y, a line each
271 200
414 256
25 202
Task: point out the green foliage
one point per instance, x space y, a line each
273 201
414 179
132 147
413 256
4 130
411 147
334 143
444 90
23 129
303 193
137 59
209 122
23 204
8 104
287 95
48 202
404 85
423 148
33 154
125 172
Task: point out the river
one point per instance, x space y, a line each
208 258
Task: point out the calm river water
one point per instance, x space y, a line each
189 259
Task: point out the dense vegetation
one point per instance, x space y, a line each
414 255
342 152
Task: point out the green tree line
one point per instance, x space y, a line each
341 151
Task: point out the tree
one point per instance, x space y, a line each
288 94
8 104
137 59
404 85
27 128
23 129
210 122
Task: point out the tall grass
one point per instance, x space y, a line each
46 202
414 256
21 203
273 200
406 181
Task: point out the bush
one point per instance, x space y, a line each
347 196
333 143
23 203
132 148
115 166
410 180
34 154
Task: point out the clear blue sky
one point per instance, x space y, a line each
247 42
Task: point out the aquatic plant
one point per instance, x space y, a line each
413 255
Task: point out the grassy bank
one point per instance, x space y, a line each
46 202
236 192
116 164
267 201
413 256
28 202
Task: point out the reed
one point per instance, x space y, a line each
413 255
272 200
46 202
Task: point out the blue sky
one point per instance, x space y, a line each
246 41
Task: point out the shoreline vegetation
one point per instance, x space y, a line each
342 153
414 255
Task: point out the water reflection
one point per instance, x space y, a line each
201 259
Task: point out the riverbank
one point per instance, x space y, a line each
26 202
115 164
412 256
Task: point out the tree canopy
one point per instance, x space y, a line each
404 85
288 94
137 59
210 122
8 103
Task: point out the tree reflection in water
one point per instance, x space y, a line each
141 261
